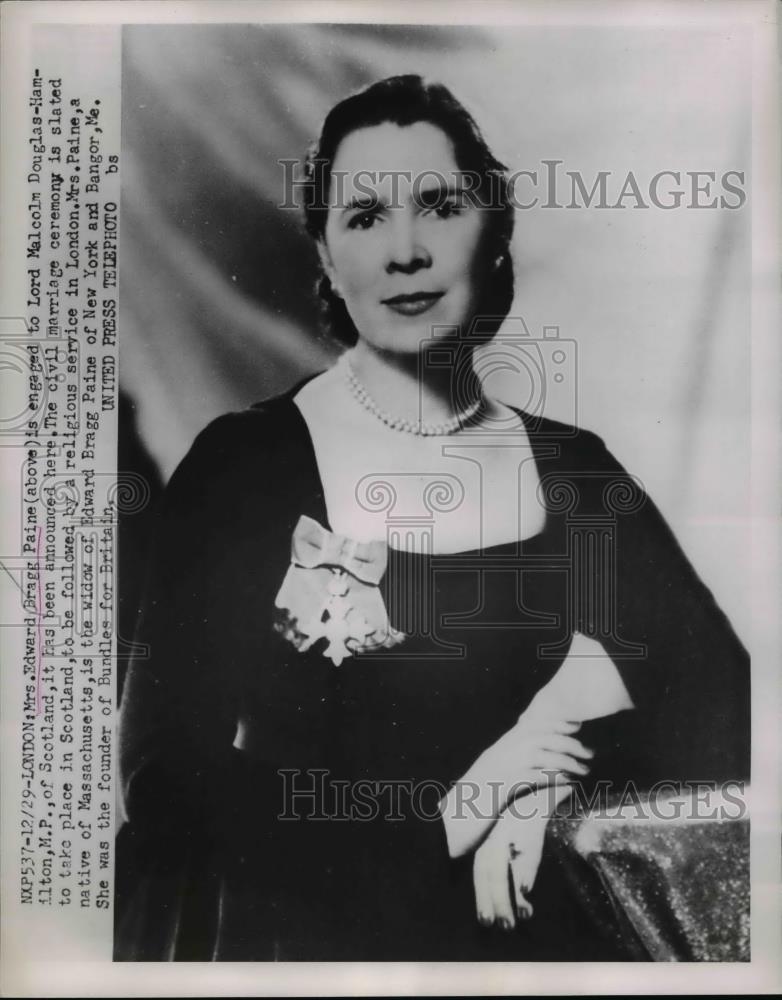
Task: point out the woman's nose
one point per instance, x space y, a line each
406 251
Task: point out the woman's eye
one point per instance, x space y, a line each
447 209
364 220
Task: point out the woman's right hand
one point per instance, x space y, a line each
536 752
506 863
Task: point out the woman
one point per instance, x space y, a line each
383 604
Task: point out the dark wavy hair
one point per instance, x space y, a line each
406 100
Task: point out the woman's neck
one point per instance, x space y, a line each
406 386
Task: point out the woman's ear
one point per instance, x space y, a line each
328 266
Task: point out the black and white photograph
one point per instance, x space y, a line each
401 604
411 602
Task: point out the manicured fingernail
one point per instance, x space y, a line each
506 924
483 919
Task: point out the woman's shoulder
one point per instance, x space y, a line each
578 472
568 442
242 445
272 421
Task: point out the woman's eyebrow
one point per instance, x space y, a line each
368 202
364 203
437 188
436 191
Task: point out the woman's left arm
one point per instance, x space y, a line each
685 670
587 686
688 683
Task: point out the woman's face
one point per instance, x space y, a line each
402 247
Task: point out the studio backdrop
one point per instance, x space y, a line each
630 149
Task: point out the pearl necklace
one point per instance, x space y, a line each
417 427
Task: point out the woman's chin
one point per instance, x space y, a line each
411 337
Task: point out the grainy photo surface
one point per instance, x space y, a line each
385 428
421 671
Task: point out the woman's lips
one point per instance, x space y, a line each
413 305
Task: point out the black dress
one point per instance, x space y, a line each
281 807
